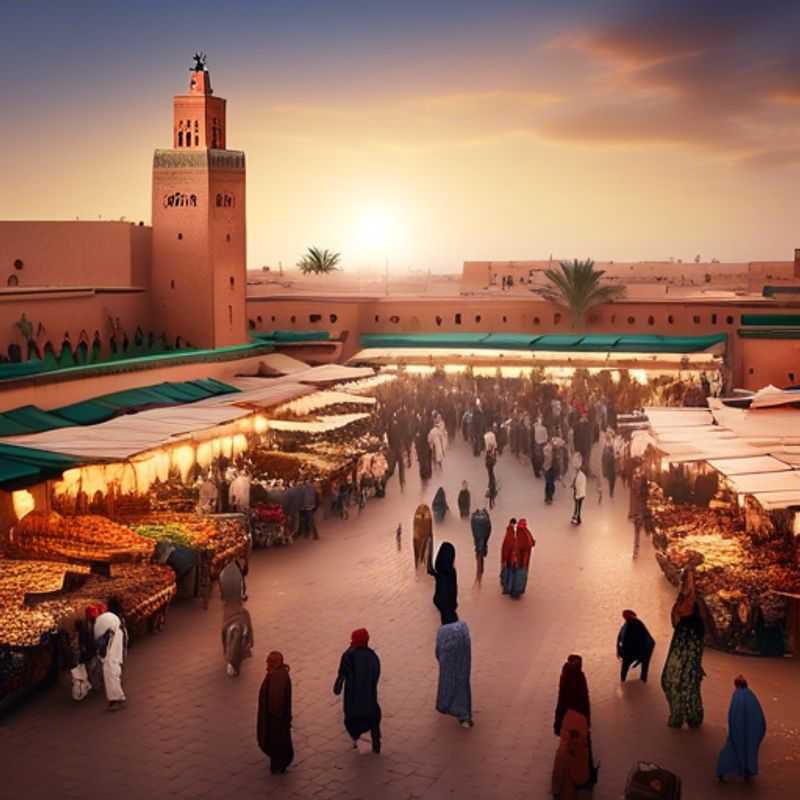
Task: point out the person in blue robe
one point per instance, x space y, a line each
746 729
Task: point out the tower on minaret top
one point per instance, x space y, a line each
198 117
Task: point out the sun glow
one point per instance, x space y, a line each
377 230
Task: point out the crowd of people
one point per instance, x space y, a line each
556 429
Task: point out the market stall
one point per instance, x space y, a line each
725 502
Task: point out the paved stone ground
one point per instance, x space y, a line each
189 731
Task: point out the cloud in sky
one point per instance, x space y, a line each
719 75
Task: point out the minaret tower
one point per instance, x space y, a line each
199 272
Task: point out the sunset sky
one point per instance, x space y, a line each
429 132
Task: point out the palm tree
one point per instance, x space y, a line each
577 288
318 262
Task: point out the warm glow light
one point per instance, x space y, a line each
183 459
23 502
376 230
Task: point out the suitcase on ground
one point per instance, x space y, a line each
650 782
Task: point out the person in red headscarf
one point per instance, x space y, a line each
275 714
515 558
359 673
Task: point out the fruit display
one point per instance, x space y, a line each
165 532
143 589
295 434
739 571
265 463
81 538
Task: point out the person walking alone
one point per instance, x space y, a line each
578 493
274 727
746 730
445 596
359 673
549 468
454 654
609 466
634 645
481 525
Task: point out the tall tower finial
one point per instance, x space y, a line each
200 60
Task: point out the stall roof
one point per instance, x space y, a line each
291 337
663 418
31 419
684 453
704 433
751 465
773 501
548 342
281 364
320 425
122 437
771 396
782 424
332 373
322 399
261 393
768 482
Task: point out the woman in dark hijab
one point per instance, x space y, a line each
275 715
573 692
439 504
359 672
445 597
573 713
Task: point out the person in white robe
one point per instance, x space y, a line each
111 639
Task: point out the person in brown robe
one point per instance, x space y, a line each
423 534
275 715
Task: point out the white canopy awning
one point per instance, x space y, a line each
323 399
281 364
779 424
745 466
320 425
771 396
774 501
261 393
769 482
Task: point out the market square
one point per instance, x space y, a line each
357 437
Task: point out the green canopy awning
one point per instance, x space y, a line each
772 320
34 419
553 342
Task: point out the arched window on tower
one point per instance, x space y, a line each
180 138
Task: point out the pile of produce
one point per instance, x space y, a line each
346 451
737 574
294 434
166 532
50 536
142 590
221 537
264 462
